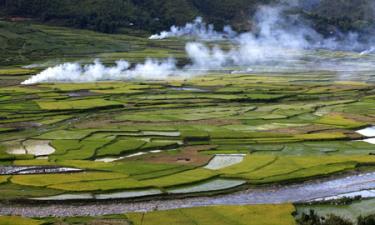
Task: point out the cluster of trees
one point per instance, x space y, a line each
154 15
313 219
105 16
343 15
110 15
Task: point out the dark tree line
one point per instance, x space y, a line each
312 218
110 15
105 16
154 15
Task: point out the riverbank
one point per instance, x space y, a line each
293 193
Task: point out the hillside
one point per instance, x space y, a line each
23 43
154 15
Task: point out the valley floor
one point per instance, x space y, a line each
270 136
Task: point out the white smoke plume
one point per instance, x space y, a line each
196 29
205 58
368 51
275 25
74 72
278 38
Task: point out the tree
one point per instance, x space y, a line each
368 220
336 220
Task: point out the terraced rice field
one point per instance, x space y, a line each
216 133
158 135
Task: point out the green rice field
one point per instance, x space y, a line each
156 138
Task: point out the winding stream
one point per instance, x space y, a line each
14 170
303 192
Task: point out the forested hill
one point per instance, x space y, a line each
111 16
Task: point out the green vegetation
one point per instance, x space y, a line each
350 211
161 137
228 215
255 169
4 179
281 214
120 147
265 169
249 215
11 220
312 218
122 15
77 104
51 179
38 45
340 121
16 71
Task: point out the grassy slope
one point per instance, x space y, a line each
25 43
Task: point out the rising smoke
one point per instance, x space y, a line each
278 37
197 29
74 72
